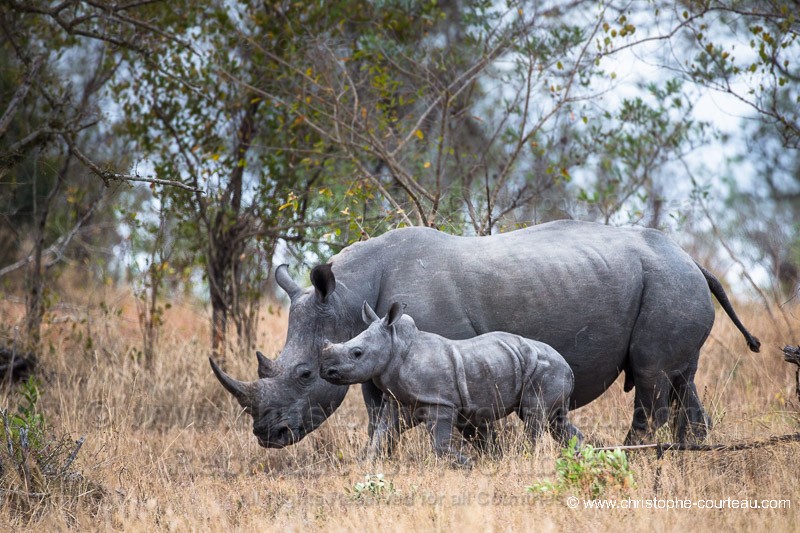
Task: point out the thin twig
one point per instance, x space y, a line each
19 95
107 175
74 454
57 248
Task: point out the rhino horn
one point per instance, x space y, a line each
266 368
242 391
286 282
368 315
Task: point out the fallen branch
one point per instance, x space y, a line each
662 447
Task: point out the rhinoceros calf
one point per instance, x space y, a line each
445 383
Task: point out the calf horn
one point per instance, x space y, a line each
241 390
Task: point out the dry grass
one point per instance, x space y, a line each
172 451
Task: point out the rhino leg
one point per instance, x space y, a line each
386 430
561 428
533 418
688 415
674 320
373 398
382 438
650 409
440 420
482 437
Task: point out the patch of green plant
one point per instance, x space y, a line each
586 470
35 466
27 419
374 486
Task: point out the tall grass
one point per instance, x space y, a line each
172 450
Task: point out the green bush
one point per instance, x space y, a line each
35 466
587 471
374 486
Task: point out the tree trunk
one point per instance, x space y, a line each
225 244
34 305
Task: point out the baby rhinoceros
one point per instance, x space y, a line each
466 384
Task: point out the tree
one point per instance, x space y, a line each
58 62
233 148
44 127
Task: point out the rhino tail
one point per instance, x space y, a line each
719 292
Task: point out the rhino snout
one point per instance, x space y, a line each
275 437
331 373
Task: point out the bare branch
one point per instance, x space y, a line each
19 95
57 248
107 175
74 454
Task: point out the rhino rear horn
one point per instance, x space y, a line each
286 282
368 315
242 391
266 367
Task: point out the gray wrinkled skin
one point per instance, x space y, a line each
609 299
459 384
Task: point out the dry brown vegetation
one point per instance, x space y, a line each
170 450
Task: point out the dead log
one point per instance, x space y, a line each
15 366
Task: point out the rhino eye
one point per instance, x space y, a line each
303 374
357 352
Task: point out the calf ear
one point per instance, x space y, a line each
394 314
368 315
286 282
323 280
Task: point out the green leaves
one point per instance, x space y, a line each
588 472
631 146
374 487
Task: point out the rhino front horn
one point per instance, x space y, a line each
242 391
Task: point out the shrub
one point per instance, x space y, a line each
587 471
35 466
374 486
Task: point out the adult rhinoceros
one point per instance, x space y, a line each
608 299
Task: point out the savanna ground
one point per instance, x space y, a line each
169 449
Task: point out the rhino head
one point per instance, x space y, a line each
290 399
364 357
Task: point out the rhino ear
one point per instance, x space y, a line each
242 391
394 314
286 282
368 315
323 280
266 367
